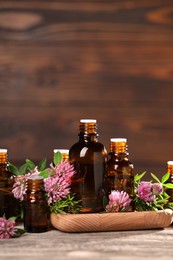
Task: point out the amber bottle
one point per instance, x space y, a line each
89 158
120 171
64 153
8 204
35 206
170 170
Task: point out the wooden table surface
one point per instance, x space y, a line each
142 244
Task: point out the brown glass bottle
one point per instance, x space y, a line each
64 153
89 158
35 206
120 171
8 204
170 180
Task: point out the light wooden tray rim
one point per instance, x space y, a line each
94 222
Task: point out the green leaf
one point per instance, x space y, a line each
67 205
165 177
44 173
14 169
168 185
57 158
169 205
162 201
166 196
158 206
137 177
42 165
12 218
30 164
105 202
155 177
19 232
23 169
160 196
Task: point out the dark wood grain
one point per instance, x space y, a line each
66 60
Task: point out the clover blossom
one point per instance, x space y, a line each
118 201
144 191
157 188
7 228
19 186
63 169
57 185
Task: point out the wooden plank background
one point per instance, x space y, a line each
61 61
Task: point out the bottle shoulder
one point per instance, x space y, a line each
95 146
123 162
5 172
88 151
77 146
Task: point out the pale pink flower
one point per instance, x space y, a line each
145 191
19 186
57 185
64 169
7 228
118 201
56 188
157 188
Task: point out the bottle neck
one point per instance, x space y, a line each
88 127
119 156
119 149
65 157
83 137
3 158
4 161
170 168
88 131
35 183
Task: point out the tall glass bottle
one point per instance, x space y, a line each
35 206
64 153
8 204
89 158
170 170
120 171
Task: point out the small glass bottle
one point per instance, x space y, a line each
120 171
89 158
9 206
35 206
170 180
64 153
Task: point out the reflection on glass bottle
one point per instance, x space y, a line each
89 158
64 153
35 206
9 206
120 171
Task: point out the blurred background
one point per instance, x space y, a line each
61 61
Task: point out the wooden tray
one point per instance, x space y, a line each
112 221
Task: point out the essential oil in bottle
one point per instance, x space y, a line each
35 206
89 158
120 171
9 206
